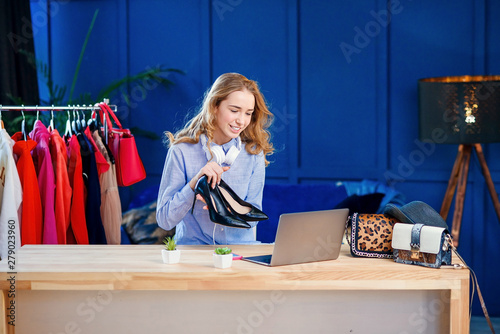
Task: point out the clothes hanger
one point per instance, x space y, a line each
95 121
73 122
78 130
105 128
37 116
77 120
95 124
23 125
91 123
83 122
52 119
68 126
76 117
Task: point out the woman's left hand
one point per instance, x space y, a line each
213 171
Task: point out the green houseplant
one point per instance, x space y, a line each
223 257
117 91
170 254
223 251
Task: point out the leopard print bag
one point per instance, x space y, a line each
370 235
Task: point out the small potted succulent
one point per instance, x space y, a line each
223 258
170 253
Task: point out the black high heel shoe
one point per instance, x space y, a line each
239 207
217 209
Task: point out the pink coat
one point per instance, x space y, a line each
46 181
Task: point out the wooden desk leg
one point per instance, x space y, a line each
459 308
460 196
452 183
4 325
3 303
487 176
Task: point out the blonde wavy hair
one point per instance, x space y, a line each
256 135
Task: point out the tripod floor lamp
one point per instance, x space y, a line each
463 110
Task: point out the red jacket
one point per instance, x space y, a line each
63 192
78 225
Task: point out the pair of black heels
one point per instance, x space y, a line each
225 207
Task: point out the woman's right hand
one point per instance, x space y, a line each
213 171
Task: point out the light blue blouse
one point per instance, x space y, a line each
175 197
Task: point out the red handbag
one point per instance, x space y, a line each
121 142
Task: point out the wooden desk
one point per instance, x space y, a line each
127 289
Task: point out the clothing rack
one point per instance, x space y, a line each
54 108
68 108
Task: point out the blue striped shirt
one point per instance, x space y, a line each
175 198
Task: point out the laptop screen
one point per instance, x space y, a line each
308 237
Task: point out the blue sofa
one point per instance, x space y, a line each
364 196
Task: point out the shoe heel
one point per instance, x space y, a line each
196 192
194 202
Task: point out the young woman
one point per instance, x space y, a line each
227 140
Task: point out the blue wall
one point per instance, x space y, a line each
340 77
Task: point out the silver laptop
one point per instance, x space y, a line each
306 237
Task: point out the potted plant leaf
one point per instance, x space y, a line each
170 253
223 258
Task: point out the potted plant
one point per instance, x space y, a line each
223 258
170 253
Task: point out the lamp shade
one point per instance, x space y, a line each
459 109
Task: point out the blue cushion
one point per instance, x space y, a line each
290 198
125 240
145 197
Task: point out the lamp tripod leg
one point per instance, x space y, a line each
452 183
460 196
487 177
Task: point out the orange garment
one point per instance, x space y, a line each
63 190
31 216
78 223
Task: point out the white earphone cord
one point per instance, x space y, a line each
213 234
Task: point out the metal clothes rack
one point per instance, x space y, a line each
68 108
54 108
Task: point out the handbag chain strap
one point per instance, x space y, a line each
475 284
347 223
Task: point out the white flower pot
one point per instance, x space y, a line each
171 256
223 261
